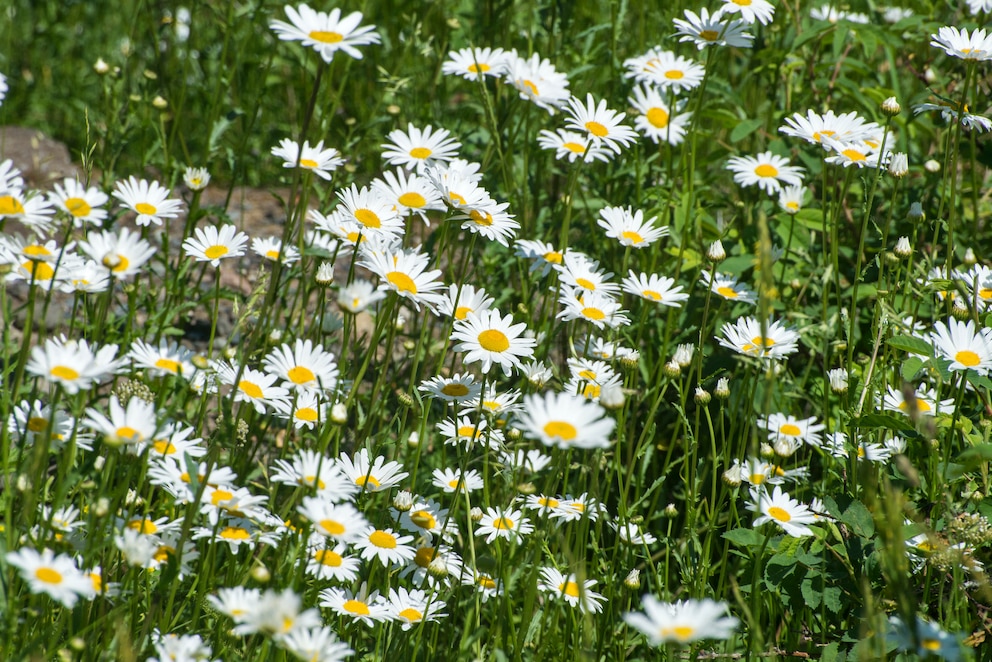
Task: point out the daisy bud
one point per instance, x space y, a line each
160 102
672 369
403 501
513 434
683 355
339 413
929 75
275 335
260 573
633 579
413 440
100 66
65 655
527 488
891 107
437 568
196 178
766 451
732 476
899 165
670 511
325 274
23 483
629 361
475 514
838 380
393 109
784 447
702 396
960 311
637 519
916 213
969 258
77 644
229 351
404 399
612 397
903 249
932 166
716 253
399 322
722 389
102 504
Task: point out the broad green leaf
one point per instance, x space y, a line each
910 344
911 367
887 421
744 537
744 129
859 519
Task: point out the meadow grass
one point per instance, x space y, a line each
591 330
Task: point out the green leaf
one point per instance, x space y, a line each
831 598
744 129
810 218
911 367
978 381
810 594
830 652
887 421
859 519
910 344
976 454
744 537
788 547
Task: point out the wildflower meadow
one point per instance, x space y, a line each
574 330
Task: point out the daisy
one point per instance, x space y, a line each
484 583
602 124
974 6
954 114
308 468
833 15
960 44
746 337
451 480
766 170
475 63
342 522
915 403
793 517
87 277
468 433
584 275
271 248
706 30
566 421
503 523
791 199
176 440
196 179
462 299
544 256
405 272
250 385
134 425
212 244
83 204
681 622
38 263
457 388
303 366
364 607
570 589
926 639
31 420
385 545
632 534
326 33
332 563
321 162
411 607
149 201
656 120
72 364
318 644
595 307
860 154
415 149
496 404
655 288
520 460
179 647
571 145
786 428
358 296
371 476
33 210
167 359
728 287
750 10
371 210
538 81
492 339
964 346
409 194
427 518
490 219
276 614
629 227
813 127
435 565
123 254
664 70
57 576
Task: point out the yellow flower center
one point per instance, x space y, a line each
597 129
216 251
402 282
570 589
64 372
591 391
531 87
456 389
356 607
332 527
930 644
757 479
168 364
308 163
779 514
742 3
548 502
728 292
40 270
10 206
78 207
164 447
367 480
48 575
790 429
494 340
578 148
651 294
593 313
658 117
383 539
554 257
144 526
423 556
967 358
486 582
37 424
481 218
235 533
423 519
819 134
632 237
250 389
853 154
127 432
412 199
766 170
561 429
587 374
420 153
674 74
272 254
480 68
145 208
308 414
456 198
368 218
301 375
709 35
503 523
325 37
411 614
327 557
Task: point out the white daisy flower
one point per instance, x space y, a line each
960 44
681 622
745 336
728 287
655 288
710 30
966 347
503 523
628 226
566 421
766 170
570 589
793 517
415 149
656 119
321 162
600 123
84 205
57 576
212 244
492 339
150 201
326 33
473 63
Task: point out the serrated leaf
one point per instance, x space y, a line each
744 537
744 129
810 594
859 519
831 598
978 381
789 546
910 368
910 344
887 421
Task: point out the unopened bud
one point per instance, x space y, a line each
670 511
722 389
102 507
230 352
612 396
339 413
404 398
838 380
969 257
403 501
475 514
733 476
275 335
437 568
100 66
413 440
766 451
702 396
784 447
929 75
683 355
260 573
633 579
672 369
160 102
960 311
527 488
899 165
932 166
111 260
903 249
325 274
629 361
716 253
891 107
916 213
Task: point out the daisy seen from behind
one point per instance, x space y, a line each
491 339
681 622
149 200
326 33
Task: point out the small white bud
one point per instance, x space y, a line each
683 355
475 514
903 249
100 66
916 213
160 102
325 274
716 253
899 165
633 579
339 413
838 380
969 257
932 165
403 501
891 107
722 389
